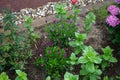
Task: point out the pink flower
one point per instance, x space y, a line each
118 1
114 10
112 20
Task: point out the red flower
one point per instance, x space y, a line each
74 1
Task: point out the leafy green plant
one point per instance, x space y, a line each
105 78
4 76
61 31
107 57
15 48
53 61
69 76
60 12
89 59
48 78
90 19
78 43
21 75
32 37
101 13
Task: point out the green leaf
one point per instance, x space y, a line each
93 77
98 71
112 59
104 64
81 37
82 60
4 76
31 28
90 54
106 57
73 57
73 43
21 75
83 71
48 78
105 78
108 54
90 67
91 16
97 60
69 76
90 19
107 50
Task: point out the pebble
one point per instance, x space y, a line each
45 10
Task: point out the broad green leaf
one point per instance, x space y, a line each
90 67
97 60
91 16
112 59
106 57
90 19
48 78
73 57
69 76
83 71
105 78
21 75
73 43
77 51
4 76
81 37
93 77
98 71
107 50
82 59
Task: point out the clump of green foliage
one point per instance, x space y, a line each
53 61
90 60
101 13
63 28
20 76
14 47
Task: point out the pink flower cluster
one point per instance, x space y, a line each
114 10
118 1
112 20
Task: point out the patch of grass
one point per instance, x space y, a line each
101 13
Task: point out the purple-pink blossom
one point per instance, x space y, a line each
112 20
118 1
114 10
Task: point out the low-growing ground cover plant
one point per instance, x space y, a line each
53 61
14 47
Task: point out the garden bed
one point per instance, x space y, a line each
98 38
